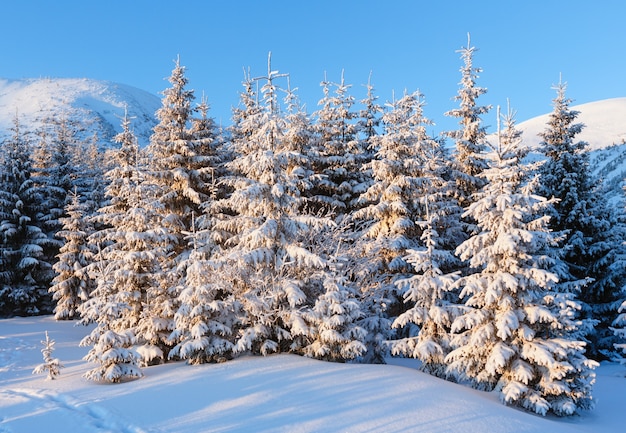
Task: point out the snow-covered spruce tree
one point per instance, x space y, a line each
470 138
71 286
335 334
118 362
121 193
175 166
593 239
60 173
397 170
89 181
178 177
111 344
337 154
24 271
52 365
265 263
130 248
389 218
248 107
370 117
430 293
513 336
122 268
299 134
121 177
210 144
208 312
41 166
125 268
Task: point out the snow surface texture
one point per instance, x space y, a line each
97 105
278 393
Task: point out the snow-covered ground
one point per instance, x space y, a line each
280 393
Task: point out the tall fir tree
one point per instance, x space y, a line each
209 144
25 272
248 108
429 291
619 325
370 116
299 134
470 138
592 237
174 164
71 286
127 266
396 169
607 268
389 218
513 337
63 172
56 173
42 165
125 163
620 329
265 262
178 180
212 146
338 155
89 181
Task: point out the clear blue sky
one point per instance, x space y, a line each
406 44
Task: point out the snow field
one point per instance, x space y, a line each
278 393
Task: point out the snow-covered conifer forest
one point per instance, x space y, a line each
347 234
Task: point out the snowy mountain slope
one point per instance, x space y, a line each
98 105
605 124
278 393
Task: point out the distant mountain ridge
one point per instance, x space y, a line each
98 105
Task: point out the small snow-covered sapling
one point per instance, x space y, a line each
50 364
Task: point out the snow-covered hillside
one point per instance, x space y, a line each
605 124
278 393
97 105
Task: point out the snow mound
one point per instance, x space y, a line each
96 105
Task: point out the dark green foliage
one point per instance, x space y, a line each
592 239
24 272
